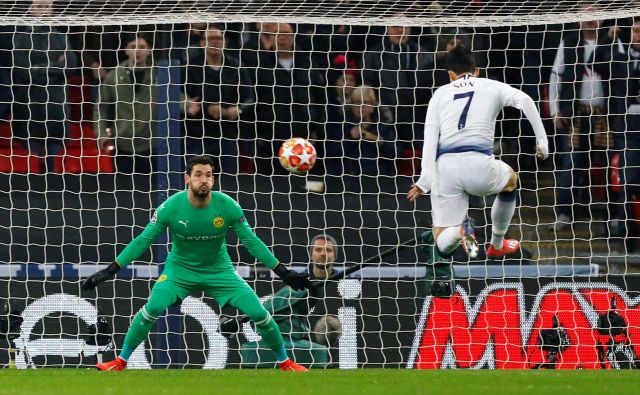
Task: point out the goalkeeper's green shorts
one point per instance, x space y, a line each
227 288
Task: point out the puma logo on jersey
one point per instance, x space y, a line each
183 222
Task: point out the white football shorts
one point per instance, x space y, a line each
459 175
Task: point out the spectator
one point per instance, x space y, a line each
287 91
42 58
368 142
402 71
577 100
259 37
625 109
125 111
445 44
325 42
290 309
101 53
342 77
219 81
323 252
186 41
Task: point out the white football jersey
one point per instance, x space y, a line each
461 118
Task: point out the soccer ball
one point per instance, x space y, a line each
297 155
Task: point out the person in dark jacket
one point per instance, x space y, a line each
366 141
256 38
223 87
42 58
403 73
578 92
625 114
125 111
342 78
286 96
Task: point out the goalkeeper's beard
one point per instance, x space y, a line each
201 193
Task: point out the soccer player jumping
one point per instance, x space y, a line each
458 161
198 220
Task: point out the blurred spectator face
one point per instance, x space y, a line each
635 34
138 52
398 34
345 84
590 25
451 44
213 42
196 30
41 8
363 102
323 254
268 27
285 37
199 27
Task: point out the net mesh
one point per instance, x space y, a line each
103 101
368 12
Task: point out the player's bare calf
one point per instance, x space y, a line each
117 364
509 246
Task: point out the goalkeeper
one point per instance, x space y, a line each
198 220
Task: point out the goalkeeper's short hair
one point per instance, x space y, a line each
198 160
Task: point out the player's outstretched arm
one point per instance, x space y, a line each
100 276
520 100
295 280
430 148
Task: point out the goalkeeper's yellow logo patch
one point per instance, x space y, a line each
218 222
162 278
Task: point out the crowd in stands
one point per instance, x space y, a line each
359 93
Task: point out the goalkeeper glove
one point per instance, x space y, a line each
100 276
293 279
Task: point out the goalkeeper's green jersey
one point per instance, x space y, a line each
198 234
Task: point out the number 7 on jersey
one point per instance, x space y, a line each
463 117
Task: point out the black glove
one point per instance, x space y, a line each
100 276
293 279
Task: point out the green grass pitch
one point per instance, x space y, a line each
327 382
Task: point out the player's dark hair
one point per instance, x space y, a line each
460 60
198 160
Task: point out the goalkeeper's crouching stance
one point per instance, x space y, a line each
198 220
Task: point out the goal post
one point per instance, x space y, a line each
101 102
365 12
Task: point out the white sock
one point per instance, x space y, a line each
501 213
448 240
